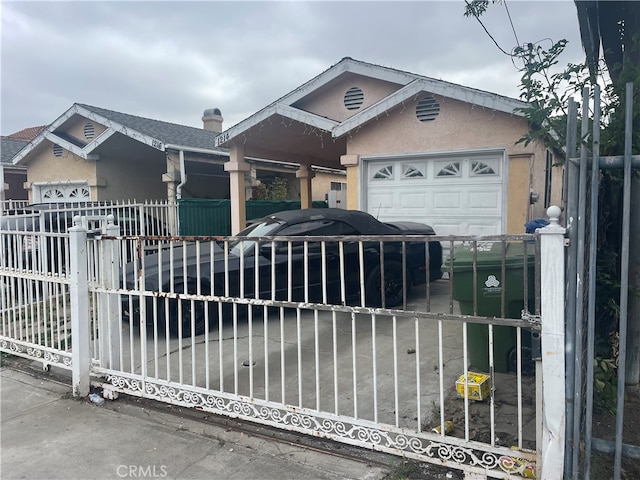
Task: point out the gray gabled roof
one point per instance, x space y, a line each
166 132
155 133
9 148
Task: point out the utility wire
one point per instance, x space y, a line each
487 31
511 22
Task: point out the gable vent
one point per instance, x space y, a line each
354 98
428 109
57 150
89 131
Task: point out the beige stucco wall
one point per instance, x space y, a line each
321 184
44 167
125 178
329 101
75 127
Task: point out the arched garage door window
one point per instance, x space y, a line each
62 192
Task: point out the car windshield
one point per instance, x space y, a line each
262 228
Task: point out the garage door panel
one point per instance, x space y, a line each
381 200
413 200
484 201
457 195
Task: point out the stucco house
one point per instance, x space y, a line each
414 148
91 153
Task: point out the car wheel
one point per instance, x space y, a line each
187 308
394 286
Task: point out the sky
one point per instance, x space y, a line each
172 60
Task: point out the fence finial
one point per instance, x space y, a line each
77 221
553 212
110 219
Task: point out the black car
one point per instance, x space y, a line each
330 269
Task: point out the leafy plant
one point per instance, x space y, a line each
277 190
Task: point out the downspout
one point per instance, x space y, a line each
2 194
183 176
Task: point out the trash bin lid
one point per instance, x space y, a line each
489 255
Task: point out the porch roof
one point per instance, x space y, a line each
281 131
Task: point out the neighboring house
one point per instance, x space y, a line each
12 177
91 153
414 148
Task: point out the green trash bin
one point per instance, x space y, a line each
491 288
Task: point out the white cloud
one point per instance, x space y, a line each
171 60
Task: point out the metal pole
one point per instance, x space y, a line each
571 214
591 309
577 390
624 281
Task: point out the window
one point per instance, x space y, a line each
412 171
481 168
547 180
384 173
318 228
450 170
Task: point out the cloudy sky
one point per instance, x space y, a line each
171 60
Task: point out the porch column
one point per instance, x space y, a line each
305 175
551 450
352 162
237 168
172 179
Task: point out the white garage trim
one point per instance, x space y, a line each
458 193
55 192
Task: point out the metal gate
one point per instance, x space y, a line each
596 377
328 352
316 358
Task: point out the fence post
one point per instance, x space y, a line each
552 298
79 291
108 320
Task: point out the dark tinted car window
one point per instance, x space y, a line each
318 228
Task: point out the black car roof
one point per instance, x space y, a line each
361 221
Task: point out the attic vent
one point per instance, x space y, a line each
89 131
57 150
354 98
428 109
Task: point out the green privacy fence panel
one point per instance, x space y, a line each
203 216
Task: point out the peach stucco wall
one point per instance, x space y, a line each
329 101
460 126
321 184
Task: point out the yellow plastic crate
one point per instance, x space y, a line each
479 385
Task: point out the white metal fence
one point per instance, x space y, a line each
305 344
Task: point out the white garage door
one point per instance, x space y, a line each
62 192
455 195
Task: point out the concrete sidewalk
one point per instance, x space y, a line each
47 434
